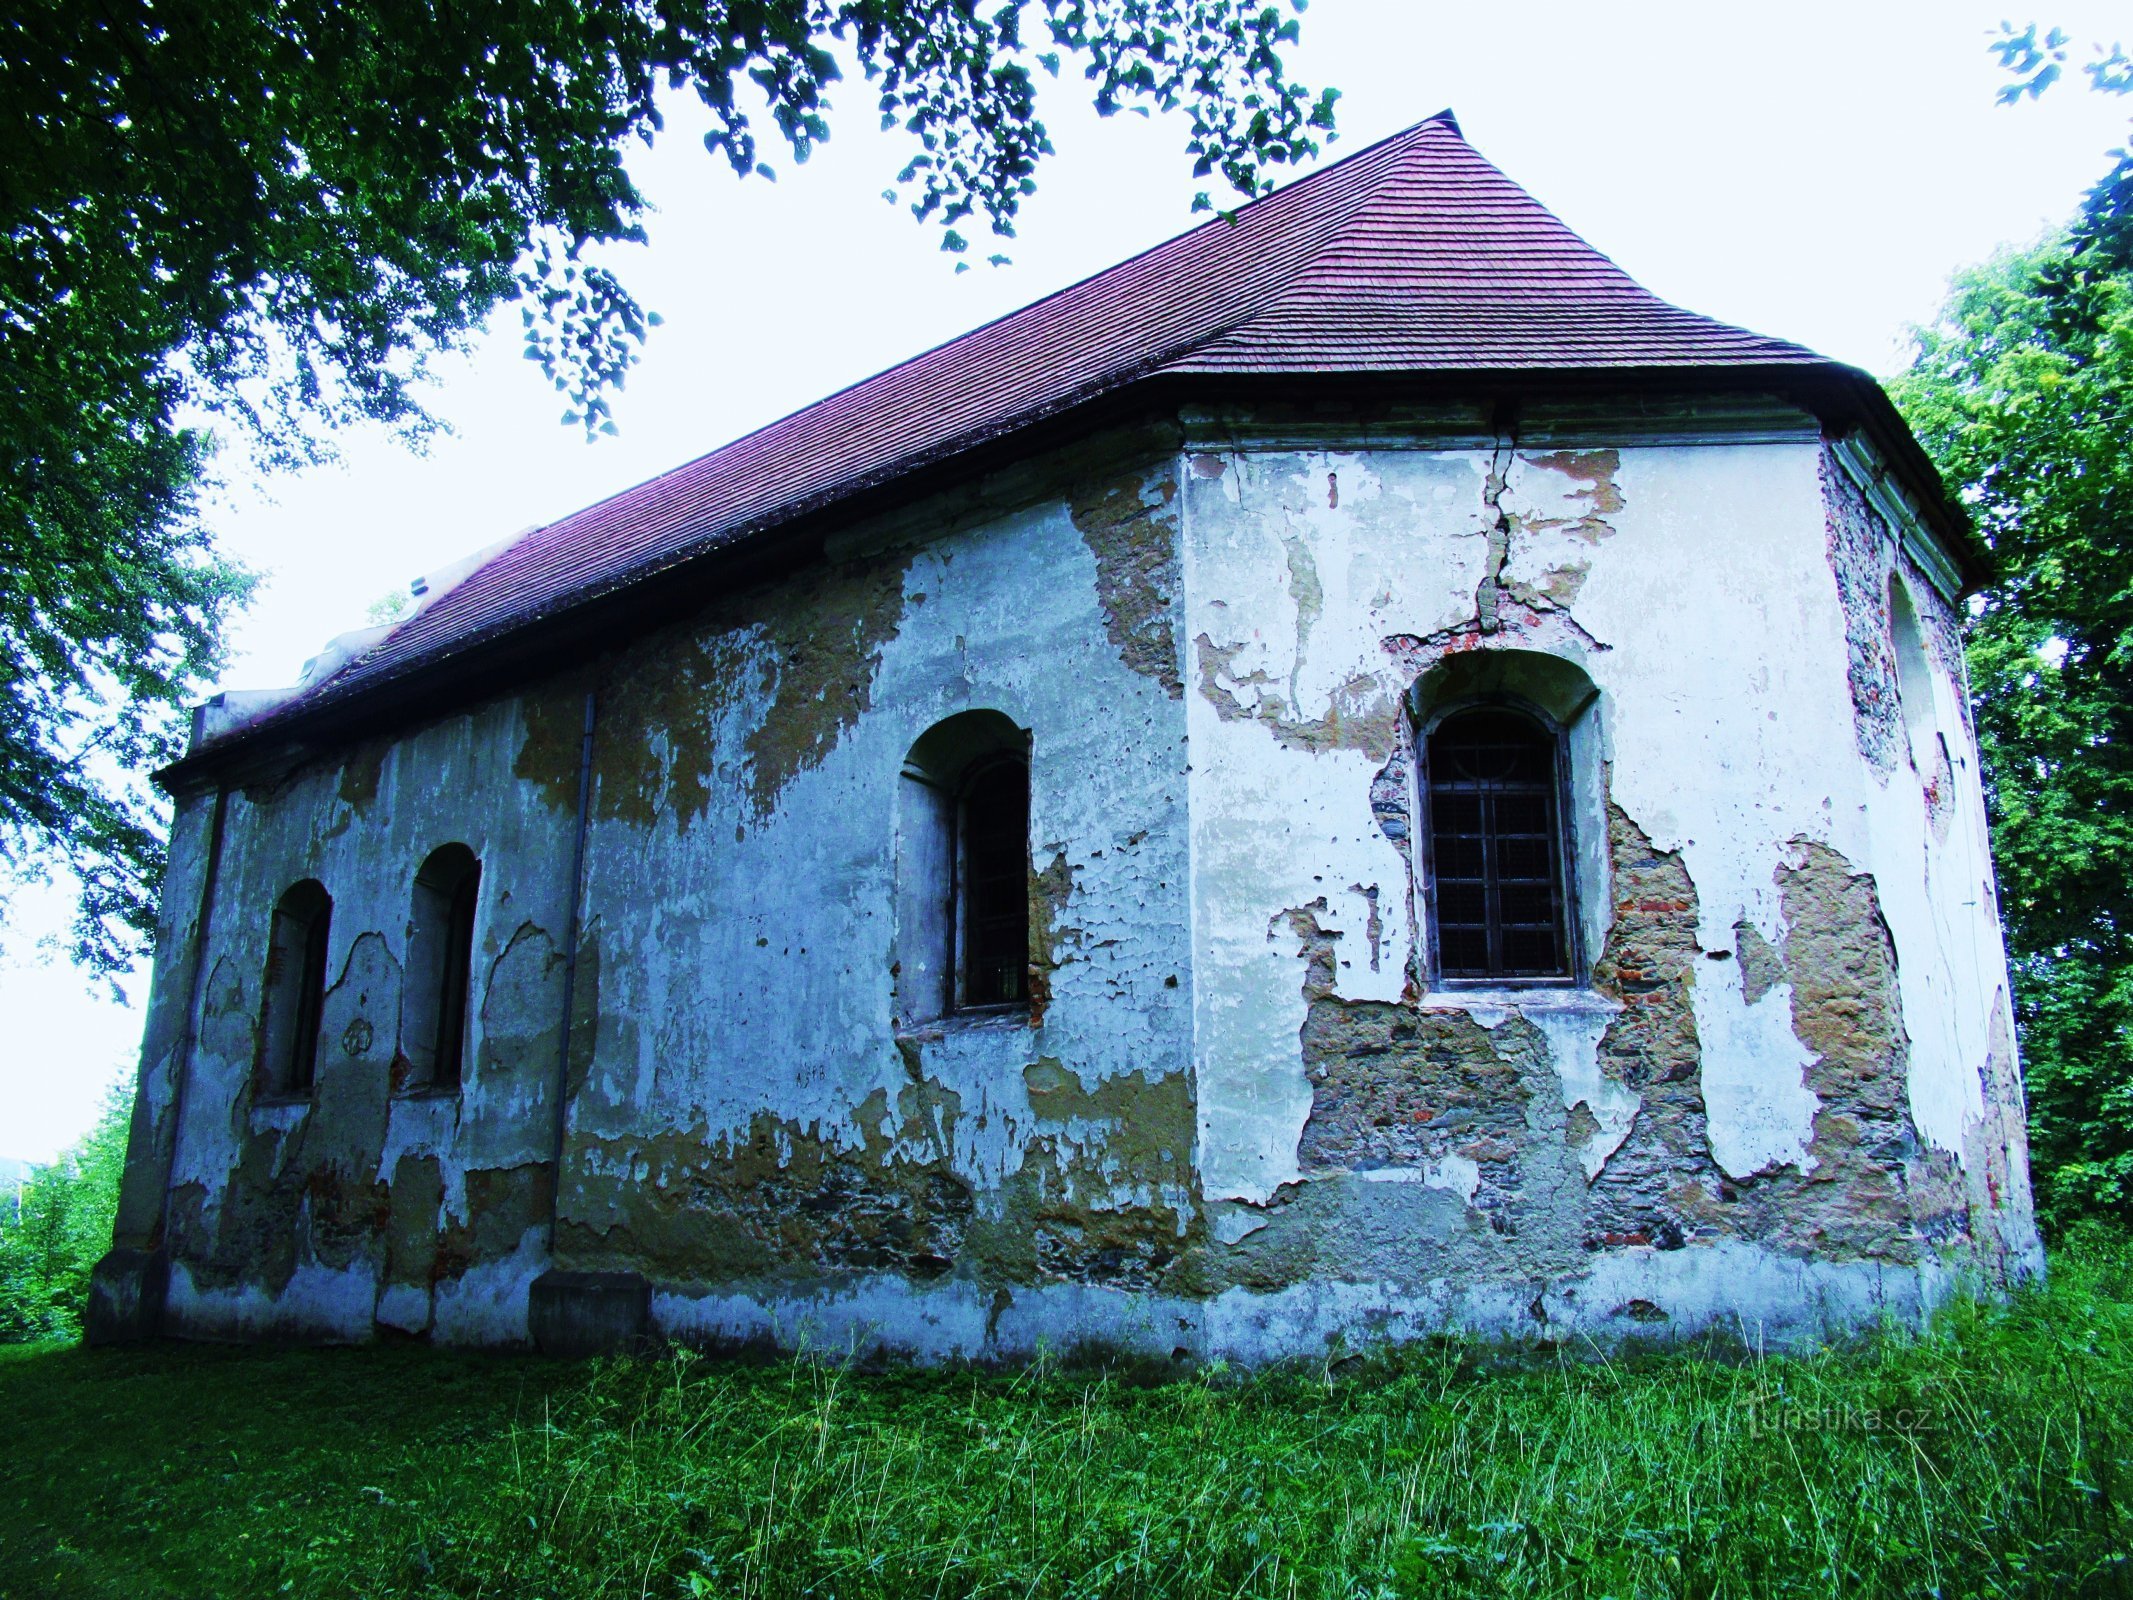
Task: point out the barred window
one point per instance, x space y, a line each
1496 847
962 870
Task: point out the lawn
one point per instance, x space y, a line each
1993 1457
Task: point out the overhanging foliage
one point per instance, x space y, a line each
270 213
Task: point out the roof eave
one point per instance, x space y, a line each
1848 399
334 710
1842 398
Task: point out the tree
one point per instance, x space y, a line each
2023 392
55 1228
266 215
2026 408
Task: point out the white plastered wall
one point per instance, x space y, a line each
1701 601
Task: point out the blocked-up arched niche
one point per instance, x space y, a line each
962 870
1914 677
1510 838
440 963
294 990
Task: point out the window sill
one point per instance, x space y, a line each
977 1019
282 1112
429 1091
1567 1000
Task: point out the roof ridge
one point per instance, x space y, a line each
1293 193
1450 262
1167 254
1409 136
1406 136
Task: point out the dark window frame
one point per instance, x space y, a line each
438 979
971 996
456 991
285 1063
1571 973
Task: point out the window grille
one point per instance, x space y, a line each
1496 848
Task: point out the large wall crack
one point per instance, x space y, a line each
1488 594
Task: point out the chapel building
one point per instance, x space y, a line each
1354 775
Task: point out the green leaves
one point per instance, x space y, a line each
2023 391
271 213
55 1229
2036 63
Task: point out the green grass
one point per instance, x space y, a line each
1994 1457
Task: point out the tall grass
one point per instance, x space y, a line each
1977 1460
1990 1457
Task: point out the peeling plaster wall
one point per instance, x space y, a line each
753 1121
1234 1118
1791 1038
746 1117
165 1034
360 1208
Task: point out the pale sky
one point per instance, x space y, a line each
1814 170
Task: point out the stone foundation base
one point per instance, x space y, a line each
1741 1297
576 1314
126 1290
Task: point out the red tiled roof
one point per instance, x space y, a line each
1449 265
1413 255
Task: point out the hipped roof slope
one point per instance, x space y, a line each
1415 255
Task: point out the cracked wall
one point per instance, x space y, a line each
370 1206
1238 1116
1784 1054
1924 814
746 1120
755 1128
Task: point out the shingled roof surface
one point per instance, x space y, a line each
1415 255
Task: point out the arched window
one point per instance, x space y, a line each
440 962
295 990
962 869
1493 784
